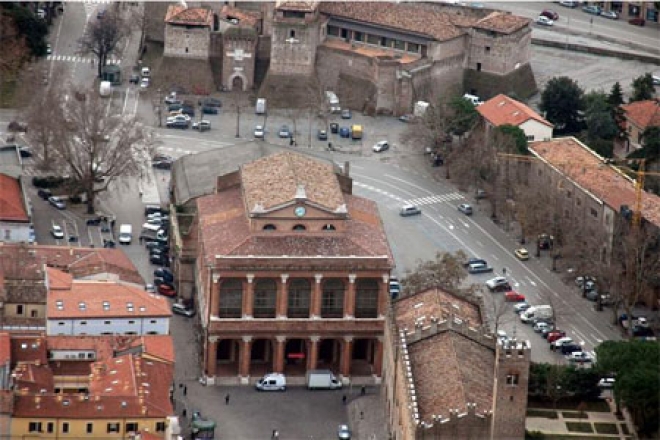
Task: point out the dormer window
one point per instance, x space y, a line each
329 227
269 227
299 227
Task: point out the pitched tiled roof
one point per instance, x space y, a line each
224 230
33 378
502 22
299 5
58 280
97 299
245 17
180 15
437 303
586 168
5 348
275 180
502 110
643 114
28 349
106 346
12 207
449 371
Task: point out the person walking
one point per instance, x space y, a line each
227 399
343 399
185 390
275 434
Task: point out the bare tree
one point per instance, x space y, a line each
14 48
446 271
93 148
103 36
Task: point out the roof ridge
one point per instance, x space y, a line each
459 370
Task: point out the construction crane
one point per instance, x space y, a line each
640 173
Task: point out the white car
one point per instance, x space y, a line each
544 21
179 118
539 327
259 132
144 83
580 357
497 283
606 383
57 232
521 307
381 146
560 342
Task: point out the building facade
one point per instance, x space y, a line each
640 116
188 32
15 212
502 110
291 271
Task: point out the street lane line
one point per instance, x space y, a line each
385 183
408 183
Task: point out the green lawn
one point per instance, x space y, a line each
574 415
606 428
596 405
541 413
579 427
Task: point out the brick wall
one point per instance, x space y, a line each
239 66
294 58
499 54
510 400
154 25
193 43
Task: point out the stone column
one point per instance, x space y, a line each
383 296
378 358
317 295
244 355
248 297
282 302
349 298
214 304
346 353
313 357
278 361
212 356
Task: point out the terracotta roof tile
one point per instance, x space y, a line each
304 6
436 303
275 180
502 22
33 378
106 346
586 168
180 15
244 17
12 207
643 114
502 110
5 348
6 402
28 349
58 280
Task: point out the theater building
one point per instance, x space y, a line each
291 273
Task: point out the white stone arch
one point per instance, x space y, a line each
241 75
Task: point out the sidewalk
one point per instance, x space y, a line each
367 416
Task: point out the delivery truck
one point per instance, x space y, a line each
322 380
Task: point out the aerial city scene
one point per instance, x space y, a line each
319 220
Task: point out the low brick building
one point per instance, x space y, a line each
445 376
639 116
188 32
291 272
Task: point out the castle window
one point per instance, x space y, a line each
34 427
413 47
299 227
131 427
400 45
358 36
231 298
160 426
333 30
512 380
329 227
269 227
292 33
90 428
65 427
373 39
19 309
478 67
487 49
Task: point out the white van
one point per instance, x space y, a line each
260 107
271 382
105 89
146 72
333 102
151 227
125 234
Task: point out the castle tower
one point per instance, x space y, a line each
239 47
510 389
295 37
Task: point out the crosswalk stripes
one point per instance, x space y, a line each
77 59
440 198
90 5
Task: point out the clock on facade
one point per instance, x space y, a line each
299 211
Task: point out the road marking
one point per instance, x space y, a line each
408 183
479 243
382 183
494 257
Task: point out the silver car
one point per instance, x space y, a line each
343 433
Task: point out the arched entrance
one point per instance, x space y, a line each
237 83
363 357
329 353
261 357
227 357
295 357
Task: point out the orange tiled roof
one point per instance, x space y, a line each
5 348
502 110
28 349
643 114
586 168
96 299
274 181
299 5
502 22
12 207
33 378
106 346
436 303
58 280
180 15
250 18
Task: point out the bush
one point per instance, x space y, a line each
47 182
534 435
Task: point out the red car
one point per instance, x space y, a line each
552 15
167 290
554 335
637 21
513 296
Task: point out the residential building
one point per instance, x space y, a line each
502 110
627 10
188 32
639 116
15 212
6 386
83 307
23 288
92 386
446 376
291 272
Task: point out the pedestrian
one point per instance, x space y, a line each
343 399
504 271
185 390
184 413
290 142
275 434
361 415
363 390
180 385
227 399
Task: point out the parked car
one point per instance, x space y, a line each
544 21
164 164
322 135
580 357
181 309
545 241
210 102
345 132
284 132
343 433
637 21
334 128
569 4
159 259
346 114
178 121
144 83
150 288
555 334
57 232
164 273
259 132
521 254
381 146
408 210
552 15
479 268
557 343
176 106
188 110
521 307
587 283
591 9
406 118
202 125
167 290
540 326
44 194
570 348
465 208
498 284
206 110
513 296
57 202
95 221
474 261
610 14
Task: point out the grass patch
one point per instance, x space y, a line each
7 92
541 413
574 415
566 404
624 429
606 428
579 427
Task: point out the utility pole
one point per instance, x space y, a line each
238 119
159 107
